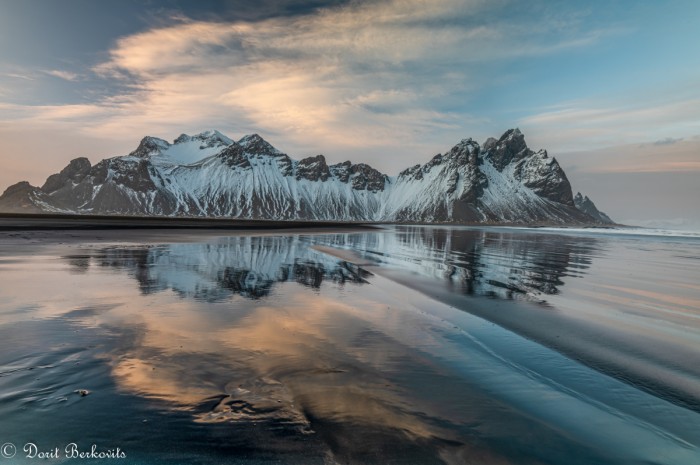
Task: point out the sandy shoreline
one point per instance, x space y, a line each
33 221
15 222
24 233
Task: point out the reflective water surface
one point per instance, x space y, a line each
432 345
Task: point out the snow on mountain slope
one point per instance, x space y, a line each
238 183
249 266
209 174
506 199
444 189
185 150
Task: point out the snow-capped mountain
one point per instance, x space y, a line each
212 175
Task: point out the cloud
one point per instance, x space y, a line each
65 75
681 156
22 76
354 75
588 125
386 82
667 141
60 115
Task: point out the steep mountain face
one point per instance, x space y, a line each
209 174
447 188
587 206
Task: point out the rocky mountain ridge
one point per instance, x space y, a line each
211 175
587 206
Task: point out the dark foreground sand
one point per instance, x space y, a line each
20 233
19 221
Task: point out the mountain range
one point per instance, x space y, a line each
211 175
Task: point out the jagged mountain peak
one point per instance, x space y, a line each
22 197
209 174
184 150
542 174
76 170
361 176
510 147
150 145
468 143
511 133
209 138
320 158
489 144
586 205
255 144
213 134
21 186
344 164
313 169
465 152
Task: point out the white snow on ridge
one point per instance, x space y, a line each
505 196
209 174
214 188
186 150
186 153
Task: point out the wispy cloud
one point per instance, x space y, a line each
667 141
62 74
385 82
381 81
367 74
680 156
587 125
22 76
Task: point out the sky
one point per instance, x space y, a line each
610 88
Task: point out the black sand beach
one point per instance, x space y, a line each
29 222
395 345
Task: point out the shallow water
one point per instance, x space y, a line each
445 345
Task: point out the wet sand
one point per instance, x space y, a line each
262 348
52 222
24 232
45 221
649 362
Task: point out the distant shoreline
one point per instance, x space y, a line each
56 221
39 221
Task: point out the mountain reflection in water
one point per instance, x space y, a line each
245 266
480 262
474 262
262 349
